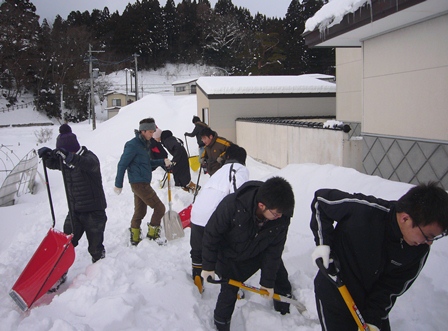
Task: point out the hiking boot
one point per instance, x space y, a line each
60 281
135 236
154 234
283 307
102 256
191 187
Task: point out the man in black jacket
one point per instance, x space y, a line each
381 247
246 233
86 198
198 127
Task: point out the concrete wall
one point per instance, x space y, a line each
224 111
405 82
349 84
266 142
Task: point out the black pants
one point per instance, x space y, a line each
197 232
93 224
334 314
241 271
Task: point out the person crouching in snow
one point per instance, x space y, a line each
246 233
181 167
86 199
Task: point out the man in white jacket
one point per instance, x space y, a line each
226 180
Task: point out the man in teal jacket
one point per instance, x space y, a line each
136 159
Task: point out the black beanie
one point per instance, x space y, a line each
67 139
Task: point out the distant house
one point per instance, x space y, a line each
116 100
222 99
392 69
186 86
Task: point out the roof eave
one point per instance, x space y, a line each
363 24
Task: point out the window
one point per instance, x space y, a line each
116 102
180 88
205 116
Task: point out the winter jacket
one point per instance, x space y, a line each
216 149
181 167
157 151
377 265
83 180
225 181
198 127
233 233
136 159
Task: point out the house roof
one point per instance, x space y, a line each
313 83
346 23
184 81
132 94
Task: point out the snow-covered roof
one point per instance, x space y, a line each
120 92
266 84
184 81
363 19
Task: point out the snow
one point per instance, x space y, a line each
266 84
148 287
332 13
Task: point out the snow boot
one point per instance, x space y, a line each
135 236
102 256
282 307
222 325
60 281
197 279
191 187
154 234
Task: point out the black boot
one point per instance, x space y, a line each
222 325
282 307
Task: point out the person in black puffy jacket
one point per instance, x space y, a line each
246 233
86 198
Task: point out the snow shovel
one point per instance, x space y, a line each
171 220
52 259
337 281
192 160
300 307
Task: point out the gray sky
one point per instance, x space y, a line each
50 8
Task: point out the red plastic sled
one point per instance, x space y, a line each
185 216
52 259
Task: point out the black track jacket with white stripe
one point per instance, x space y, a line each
377 265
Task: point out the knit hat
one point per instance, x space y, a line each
165 134
67 139
157 134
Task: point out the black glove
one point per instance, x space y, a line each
204 164
44 152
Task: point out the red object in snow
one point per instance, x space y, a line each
52 259
185 216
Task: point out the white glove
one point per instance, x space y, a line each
321 251
205 274
270 291
371 327
168 163
117 190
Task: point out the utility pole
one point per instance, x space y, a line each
126 72
136 74
92 97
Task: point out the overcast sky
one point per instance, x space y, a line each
50 8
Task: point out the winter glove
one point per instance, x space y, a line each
205 274
371 327
117 190
168 163
323 252
62 152
44 152
270 291
220 160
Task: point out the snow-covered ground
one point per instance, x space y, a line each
148 287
